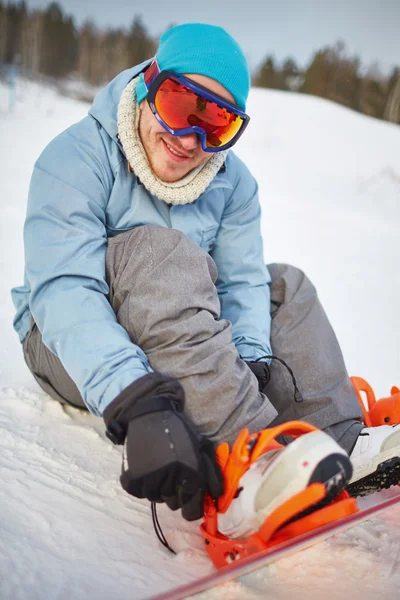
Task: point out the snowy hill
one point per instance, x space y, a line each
330 188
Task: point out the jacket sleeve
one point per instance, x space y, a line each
65 248
242 275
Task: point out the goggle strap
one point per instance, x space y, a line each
151 73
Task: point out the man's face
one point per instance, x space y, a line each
172 157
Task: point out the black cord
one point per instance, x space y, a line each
158 530
297 394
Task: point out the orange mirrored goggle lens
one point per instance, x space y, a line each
181 108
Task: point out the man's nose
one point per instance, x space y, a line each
190 141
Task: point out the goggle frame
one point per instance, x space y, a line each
153 78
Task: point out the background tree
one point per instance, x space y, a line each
289 76
373 95
3 31
318 74
86 48
59 51
15 16
140 45
392 107
116 55
31 43
266 76
344 83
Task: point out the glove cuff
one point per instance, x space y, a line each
261 370
151 393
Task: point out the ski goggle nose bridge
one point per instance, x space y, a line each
183 106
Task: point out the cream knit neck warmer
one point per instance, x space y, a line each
184 191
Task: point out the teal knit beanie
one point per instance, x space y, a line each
205 50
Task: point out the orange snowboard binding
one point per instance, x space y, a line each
286 521
385 411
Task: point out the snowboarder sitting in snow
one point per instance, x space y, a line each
147 300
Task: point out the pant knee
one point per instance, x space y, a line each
285 270
178 254
159 256
146 236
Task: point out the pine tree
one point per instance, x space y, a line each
289 76
344 86
35 24
116 57
373 93
3 31
140 45
318 74
16 14
392 105
59 43
87 46
266 76
334 76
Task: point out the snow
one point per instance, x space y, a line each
329 187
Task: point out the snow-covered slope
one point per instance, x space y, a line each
330 187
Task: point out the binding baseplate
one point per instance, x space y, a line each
298 515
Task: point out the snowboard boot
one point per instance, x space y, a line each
375 459
279 474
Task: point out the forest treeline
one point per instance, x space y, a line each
48 42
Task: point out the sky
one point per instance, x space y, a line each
286 28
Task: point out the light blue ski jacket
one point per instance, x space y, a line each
82 193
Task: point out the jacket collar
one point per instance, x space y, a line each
105 104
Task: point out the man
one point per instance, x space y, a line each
146 298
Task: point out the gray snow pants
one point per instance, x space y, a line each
162 289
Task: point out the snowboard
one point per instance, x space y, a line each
377 503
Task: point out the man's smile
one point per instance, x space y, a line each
175 154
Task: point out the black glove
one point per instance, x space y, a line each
165 459
261 371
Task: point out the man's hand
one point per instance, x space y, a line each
165 459
261 371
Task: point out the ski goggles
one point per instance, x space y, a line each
183 106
